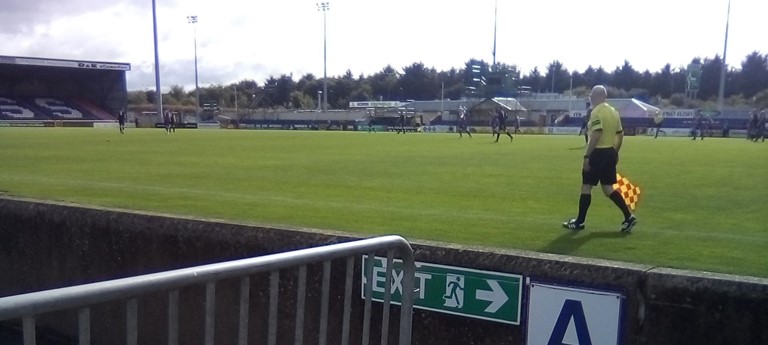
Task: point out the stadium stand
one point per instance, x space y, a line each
94 109
11 109
56 92
56 109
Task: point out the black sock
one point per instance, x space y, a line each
584 201
619 201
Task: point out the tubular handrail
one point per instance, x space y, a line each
28 304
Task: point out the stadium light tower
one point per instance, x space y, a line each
495 20
158 92
721 89
193 20
325 7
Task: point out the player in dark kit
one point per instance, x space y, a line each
760 131
401 123
462 125
698 126
517 124
658 119
752 125
501 122
584 123
371 115
167 122
121 121
172 122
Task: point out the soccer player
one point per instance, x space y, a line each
501 122
698 126
462 126
401 122
370 122
517 124
606 136
584 124
172 119
167 121
752 125
121 121
760 130
493 122
657 121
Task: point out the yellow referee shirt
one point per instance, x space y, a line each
605 117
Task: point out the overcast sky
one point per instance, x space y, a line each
253 39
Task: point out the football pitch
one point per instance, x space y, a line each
703 203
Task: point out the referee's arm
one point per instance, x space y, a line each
619 140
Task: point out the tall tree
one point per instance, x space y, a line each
283 88
384 84
557 78
710 77
662 82
341 89
754 74
419 82
452 83
534 80
625 77
309 85
596 76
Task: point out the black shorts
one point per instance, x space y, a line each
602 165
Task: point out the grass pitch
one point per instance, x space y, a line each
703 203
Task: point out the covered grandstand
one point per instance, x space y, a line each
53 92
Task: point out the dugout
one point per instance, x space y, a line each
96 89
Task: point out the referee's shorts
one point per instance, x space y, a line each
602 163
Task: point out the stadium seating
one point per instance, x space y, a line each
94 109
12 109
59 110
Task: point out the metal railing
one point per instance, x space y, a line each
27 306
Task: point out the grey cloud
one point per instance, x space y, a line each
21 16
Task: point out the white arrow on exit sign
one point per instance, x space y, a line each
496 296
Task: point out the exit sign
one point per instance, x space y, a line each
486 295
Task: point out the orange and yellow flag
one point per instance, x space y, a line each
629 191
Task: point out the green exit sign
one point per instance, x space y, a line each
486 295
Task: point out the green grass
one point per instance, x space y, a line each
703 203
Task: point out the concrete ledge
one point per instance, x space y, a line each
49 244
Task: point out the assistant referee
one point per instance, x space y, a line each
605 139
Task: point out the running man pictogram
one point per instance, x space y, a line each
454 288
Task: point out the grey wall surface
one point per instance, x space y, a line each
47 245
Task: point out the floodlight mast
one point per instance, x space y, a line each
325 7
158 92
193 20
495 20
721 91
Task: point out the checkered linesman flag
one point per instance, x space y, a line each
629 191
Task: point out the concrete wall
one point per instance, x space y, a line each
49 245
